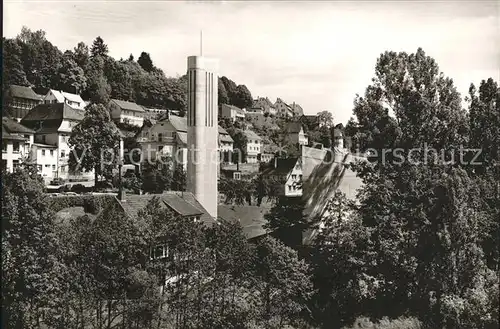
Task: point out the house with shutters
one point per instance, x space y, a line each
296 133
167 137
53 123
265 104
254 146
283 109
16 143
19 100
73 100
127 112
287 174
225 145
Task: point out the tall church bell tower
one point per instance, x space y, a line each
202 137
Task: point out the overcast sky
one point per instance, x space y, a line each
318 54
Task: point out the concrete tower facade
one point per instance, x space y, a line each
203 131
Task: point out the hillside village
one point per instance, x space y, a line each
290 227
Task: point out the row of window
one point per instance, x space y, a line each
293 188
63 153
47 166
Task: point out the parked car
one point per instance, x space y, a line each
57 181
70 193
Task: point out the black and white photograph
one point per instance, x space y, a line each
250 164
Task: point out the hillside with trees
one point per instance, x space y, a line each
30 59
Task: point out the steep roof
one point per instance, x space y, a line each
24 92
182 137
54 111
179 123
251 134
7 136
183 203
129 106
73 97
284 166
12 126
294 127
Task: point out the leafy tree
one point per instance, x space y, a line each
98 90
99 48
145 62
95 141
485 123
71 76
223 97
325 118
13 72
236 191
30 266
179 178
157 176
131 58
81 54
282 282
242 97
240 143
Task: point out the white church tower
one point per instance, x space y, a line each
202 131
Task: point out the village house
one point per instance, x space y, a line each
287 173
53 124
126 112
225 145
231 112
16 143
73 100
254 144
283 109
19 100
167 137
265 104
296 133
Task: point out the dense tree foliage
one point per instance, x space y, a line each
95 141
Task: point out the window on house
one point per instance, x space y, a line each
51 152
16 146
300 177
63 154
159 252
294 177
47 166
43 152
237 175
160 137
289 188
53 167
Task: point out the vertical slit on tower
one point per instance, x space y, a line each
206 99
212 96
194 98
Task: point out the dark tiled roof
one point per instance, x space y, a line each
284 167
13 126
251 218
54 111
24 92
125 105
184 203
294 127
223 131
182 136
6 135
251 134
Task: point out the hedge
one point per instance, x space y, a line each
91 203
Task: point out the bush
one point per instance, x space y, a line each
91 203
385 323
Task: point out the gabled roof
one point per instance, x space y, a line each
183 203
222 131
265 100
294 127
7 136
12 126
179 123
251 134
237 109
54 111
224 136
129 106
62 95
24 92
284 166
